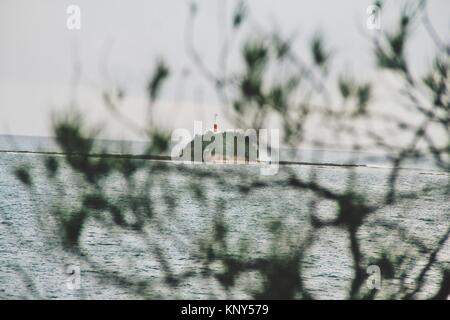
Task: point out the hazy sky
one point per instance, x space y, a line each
120 40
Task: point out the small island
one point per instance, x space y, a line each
229 146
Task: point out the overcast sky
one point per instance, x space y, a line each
120 40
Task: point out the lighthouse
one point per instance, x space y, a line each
216 125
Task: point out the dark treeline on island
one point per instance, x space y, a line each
223 146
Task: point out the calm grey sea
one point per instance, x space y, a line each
30 257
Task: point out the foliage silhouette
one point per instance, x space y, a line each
250 96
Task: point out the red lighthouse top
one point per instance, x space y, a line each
216 126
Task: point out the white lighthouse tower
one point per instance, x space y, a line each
216 125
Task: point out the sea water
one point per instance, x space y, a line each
32 263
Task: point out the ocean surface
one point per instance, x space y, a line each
31 259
